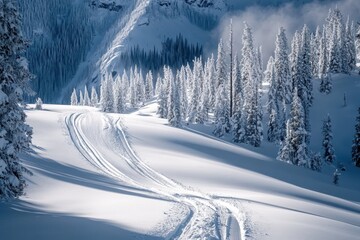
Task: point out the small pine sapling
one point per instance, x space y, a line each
38 104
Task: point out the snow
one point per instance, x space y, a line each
131 176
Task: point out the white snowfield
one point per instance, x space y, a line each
131 176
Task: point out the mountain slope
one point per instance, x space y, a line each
105 176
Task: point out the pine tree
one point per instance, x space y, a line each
94 97
38 104
251 113
106 95
356 142
86 97
357 42
15 135
349 51
174 114
222 117
328 154
149 88
282 68
315 51
221 70
294 148
237 124
81 98
195 96
74 98
325 84
119 96
272 106
316 162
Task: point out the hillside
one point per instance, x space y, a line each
131 176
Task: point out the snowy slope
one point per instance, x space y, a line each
131 176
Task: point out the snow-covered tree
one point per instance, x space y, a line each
251 112
106 95
94 97
272 104
164 88
316 162
38 104
236 121
335 34
195 96
221 69
81 98
356 142
149 87
222 114
349 49
86 97
315 51
15 135
357 43
174 112
119 96
325 84
294 148
328 150
74 98
282 68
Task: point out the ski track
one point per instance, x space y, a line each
208 217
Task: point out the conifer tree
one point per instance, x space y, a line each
329 153
272 106
86 97
119 99
81 98
149 88
356 142
174 114
15 134
282 68
294 148
94 97
221 70
74 98
349 51
195 93
106 94
222 114
316 162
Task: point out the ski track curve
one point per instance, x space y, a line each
208 217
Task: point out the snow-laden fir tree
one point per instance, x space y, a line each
282 68
251 116
174 111
357 43
272 106
38 104
181 80
149 87
15 135
355 153
74 98
328 149
316 162
204 106
349 49
195 93
94 97
294 148
164 88
236 123
140 88
106 94
81 98
119 96
315 51
133 87
325 84
222 112
221 68
211 76
335 34
86 97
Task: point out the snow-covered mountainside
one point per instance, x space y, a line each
132 176
83 39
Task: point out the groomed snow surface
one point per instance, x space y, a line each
132 176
